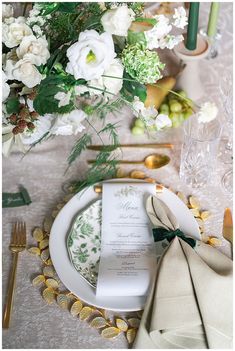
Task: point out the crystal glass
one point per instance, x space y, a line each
213 41
226 149
199 152
226 95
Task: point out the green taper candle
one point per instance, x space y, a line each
213 19
191 42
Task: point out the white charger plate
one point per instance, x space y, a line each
69 275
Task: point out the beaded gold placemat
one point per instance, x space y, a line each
54 292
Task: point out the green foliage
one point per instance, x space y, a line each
69 19
103 168
51 7
13 105
103 107
45 101
137 7
113 136
152 21
79 147
133 88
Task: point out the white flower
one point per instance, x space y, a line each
207 112
7 11
112 85
91 55
117 21
26 73
10 64
162 121
13 33
37 30
33 49
102 6
29 103
141 111
64 98
34 12
180 18
69 123
170 41
81 89
160 30
42 126
5 87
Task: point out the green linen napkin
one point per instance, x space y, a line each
21 198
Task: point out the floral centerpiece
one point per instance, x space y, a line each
67 64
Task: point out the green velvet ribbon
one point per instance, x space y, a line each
160 234
21 198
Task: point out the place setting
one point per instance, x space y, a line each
137 240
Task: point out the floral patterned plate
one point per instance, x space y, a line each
83 242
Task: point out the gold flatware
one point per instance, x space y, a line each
98 188
228 228
113 147
228 225
18 244
152 161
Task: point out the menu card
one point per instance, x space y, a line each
127 258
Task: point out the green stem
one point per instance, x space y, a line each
154 85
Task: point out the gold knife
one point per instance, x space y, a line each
228 225
113 147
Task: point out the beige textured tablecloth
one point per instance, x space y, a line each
34 324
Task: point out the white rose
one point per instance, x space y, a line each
5 87
91 55
33 49
207 112
42 126
162 121
26 73
69 123
117 21
13 33
7 11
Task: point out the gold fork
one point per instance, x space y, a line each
18 244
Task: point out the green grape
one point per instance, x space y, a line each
139 123
176 121
189 103
164 108
188 113
152 128
175 106
182 93
137 131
